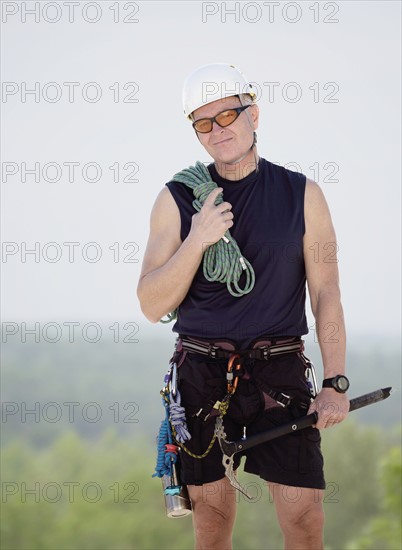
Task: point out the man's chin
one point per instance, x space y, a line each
229 159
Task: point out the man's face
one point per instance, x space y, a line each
228 144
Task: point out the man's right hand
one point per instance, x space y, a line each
212 221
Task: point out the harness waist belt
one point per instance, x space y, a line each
261 349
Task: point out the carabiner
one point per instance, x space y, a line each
173 381
232 381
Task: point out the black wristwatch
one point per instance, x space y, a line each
340 383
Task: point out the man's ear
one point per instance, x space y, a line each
255 113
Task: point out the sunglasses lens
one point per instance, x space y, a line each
204 125
227 117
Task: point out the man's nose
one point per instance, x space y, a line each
216 127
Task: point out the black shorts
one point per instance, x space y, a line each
294 459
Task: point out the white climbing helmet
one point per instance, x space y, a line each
211 82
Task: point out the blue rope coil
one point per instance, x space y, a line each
164 460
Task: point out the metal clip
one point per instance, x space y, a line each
174 380
311 376
231 381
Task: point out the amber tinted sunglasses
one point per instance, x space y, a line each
222 119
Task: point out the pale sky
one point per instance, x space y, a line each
344 131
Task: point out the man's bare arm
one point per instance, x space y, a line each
320 255
169 264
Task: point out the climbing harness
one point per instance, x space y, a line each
261 349
223 260
174 433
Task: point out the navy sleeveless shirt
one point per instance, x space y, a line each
268 209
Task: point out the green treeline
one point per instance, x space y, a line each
79 422
80 494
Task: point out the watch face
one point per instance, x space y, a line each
342 383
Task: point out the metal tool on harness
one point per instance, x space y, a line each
310 375
233 380
230 448
177 501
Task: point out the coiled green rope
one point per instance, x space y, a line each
223 261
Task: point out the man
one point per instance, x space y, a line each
283 227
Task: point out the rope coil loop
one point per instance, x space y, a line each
223 261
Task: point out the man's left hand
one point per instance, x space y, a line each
332 407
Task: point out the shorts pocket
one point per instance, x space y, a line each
313 456
297 452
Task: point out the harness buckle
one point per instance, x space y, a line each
266 350
284 400
201 414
